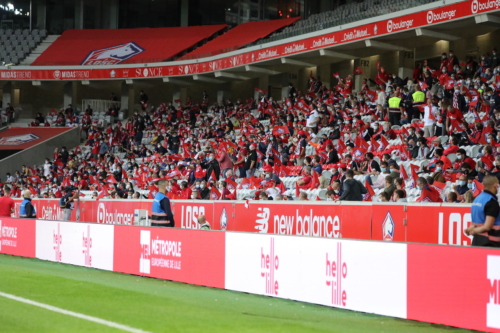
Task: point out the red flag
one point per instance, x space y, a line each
360 143
423 85
488 164
280 130
262 91
214 194
34 179
358 71
370 193
153 190
429 195
110 179
358 153
477 188
103 193
284 171
315 180
403 154
439 186
245 184
374 145
384 144
66 182
231 185
213 177
336 75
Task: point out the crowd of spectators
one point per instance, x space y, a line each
391 137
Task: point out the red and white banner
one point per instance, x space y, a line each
82 244
190 256
436 15
17 237
456 286
450 285
419 223
362 276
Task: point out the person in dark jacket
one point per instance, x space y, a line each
353 190
333 157
212 165
64 156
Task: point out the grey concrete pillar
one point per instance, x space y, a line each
184 13
78 14
113 14
41 14
7 94
224 92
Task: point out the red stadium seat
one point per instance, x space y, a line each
152 45
238 37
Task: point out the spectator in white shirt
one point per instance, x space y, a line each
429 119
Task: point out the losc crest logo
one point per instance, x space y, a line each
336 272
145 261
388 227
223 219
493 306
87 244
113 55
18 139
263 221
269 264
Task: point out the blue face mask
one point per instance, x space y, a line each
469 185
461 182
383 169
438 169
420 187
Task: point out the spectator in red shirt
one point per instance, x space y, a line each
305 181
6 203
453 148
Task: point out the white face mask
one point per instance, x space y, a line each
202 186
193 196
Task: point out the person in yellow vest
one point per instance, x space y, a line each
396 109
418 99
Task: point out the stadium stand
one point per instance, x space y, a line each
238 37
151 45
344 14
125 159
17 44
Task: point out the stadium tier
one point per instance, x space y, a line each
125 46
238 37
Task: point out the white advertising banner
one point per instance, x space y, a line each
355 275
82 244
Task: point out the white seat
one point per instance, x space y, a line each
452 157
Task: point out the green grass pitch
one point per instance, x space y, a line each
163 306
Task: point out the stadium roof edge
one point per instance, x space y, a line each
245 51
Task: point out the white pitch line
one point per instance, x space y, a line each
74 314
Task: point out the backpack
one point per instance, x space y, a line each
64 202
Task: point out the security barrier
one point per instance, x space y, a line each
421 223
411 281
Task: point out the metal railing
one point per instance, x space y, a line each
99 105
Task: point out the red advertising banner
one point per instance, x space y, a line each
190 256
17 237
454 286
436 224
419 223
424 18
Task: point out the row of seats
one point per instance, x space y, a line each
15 45
344 14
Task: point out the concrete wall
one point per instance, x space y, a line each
37 154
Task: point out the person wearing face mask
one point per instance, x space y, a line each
494 100
452 62
439 174
212 166
461 186
485 213
444 63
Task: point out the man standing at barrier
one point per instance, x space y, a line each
162 213
485 215
6 203
27 210
67 202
